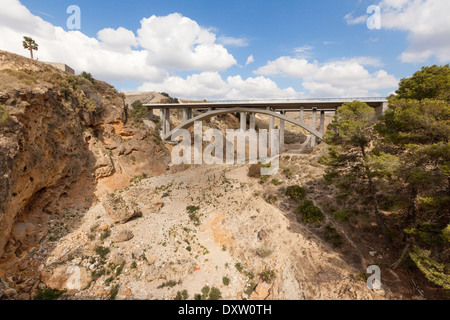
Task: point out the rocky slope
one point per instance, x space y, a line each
61 135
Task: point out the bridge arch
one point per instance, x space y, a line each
212 113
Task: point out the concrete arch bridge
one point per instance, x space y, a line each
273 108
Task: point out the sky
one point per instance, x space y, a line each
236 49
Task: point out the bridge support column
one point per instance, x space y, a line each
314 126
150 113
162 117
167 121
185 114
282 126
322 122
189 113
243 120
271 127
252 121
301 115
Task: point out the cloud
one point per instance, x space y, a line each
120 39
250 59
178 42
162 44
351 20
338 78
210 85
425 21
233 42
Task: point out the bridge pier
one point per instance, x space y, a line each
314 126
243 120
301 114
252 121
282 126
322 122
185 114
150 113
271 127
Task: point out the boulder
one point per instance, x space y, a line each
119 209
123 236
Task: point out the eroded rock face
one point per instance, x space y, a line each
62 132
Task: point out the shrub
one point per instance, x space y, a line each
342 215
4 116
276 182
331 235
268 276
88 77
226 281
215 294
102 252
182 295
138 111
192 210
295 192
48 294
309 212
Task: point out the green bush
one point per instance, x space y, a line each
276 182
309 213
295 192
226 281
138 111
4 116
331 235
342 215
88 77
48 294
182 295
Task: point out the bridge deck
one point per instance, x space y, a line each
327 104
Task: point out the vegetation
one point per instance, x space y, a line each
226 281
30 44
331 235
309 213
4 116
209 294
192 211
138 111
48 294
295 192
182 295
88 77
399 162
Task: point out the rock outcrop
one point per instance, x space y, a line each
60 133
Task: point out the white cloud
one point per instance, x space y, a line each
250 59
162 44
339 78
178 42
234 42
351 20
210 85
426 22
120 39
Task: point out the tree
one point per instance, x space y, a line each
431 82
350 137
416 131
30 44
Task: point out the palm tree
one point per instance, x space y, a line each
30 44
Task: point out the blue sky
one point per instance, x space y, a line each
299 49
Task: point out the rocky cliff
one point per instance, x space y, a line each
63 139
